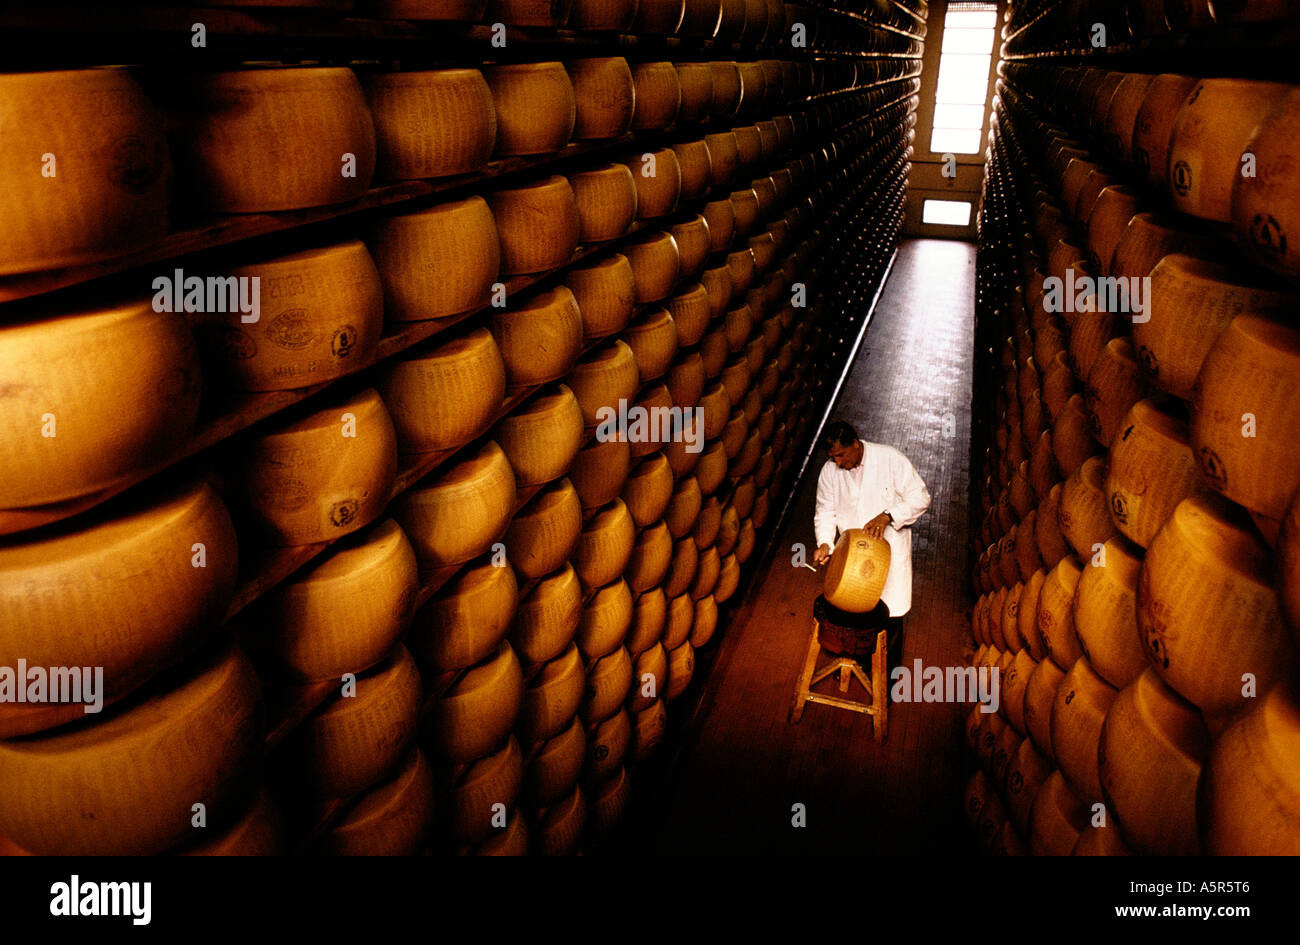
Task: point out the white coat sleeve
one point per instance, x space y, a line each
824 517
914 498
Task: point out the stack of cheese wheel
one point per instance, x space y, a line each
324 475
442 395
345 613
437 262
458 514
154 544
431 124
103 131
126 784
318 114
535 107
75 419
324 319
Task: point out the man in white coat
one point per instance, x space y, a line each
873 487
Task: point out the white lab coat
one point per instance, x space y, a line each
885 481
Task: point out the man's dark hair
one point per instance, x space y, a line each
839 433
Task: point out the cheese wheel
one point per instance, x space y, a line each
681 571
707 573
1192 301
657 176
344 614
1263 206
696 82
539 338
1085 511
712 467
607 202
322 476
653 340
354 742
649 678
555 765
713 352
681 667
752 81
1040 695
685 379
544 532
542 436
391 819
602 379
607 745
1114 208
658 17
479 709
648 728
728 529
553 696
49 583
111 161
1208 559
461 512
548 617
1052 545
696 165
684 451
649 620
523 13
605 546
1152 747
616 15
475 792
1114 385
701 20
706 621
558 829
467 11
437 262
431 124
708 523
442 397
535 107
125 784
1057 818
319 115
728 580
650 559
658 96
258 830
1151 470
1105 614
1154 124
1150 237
1014 686
683 507
740 266
733 436
608 682
1209 139
648 490
605 293
1056 613
604 95
606 619
693 244
856 573
726 83
677 628
1026 772
1246 414
73 420
323 318
537 224
600 470
1249 799
463 623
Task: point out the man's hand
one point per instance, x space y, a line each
822 554
876 527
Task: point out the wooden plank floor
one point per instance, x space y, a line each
743 765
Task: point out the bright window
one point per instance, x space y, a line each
962 90
946 212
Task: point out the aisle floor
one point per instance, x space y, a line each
743 766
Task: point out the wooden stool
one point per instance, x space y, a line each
848 668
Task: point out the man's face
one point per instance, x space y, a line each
846 457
